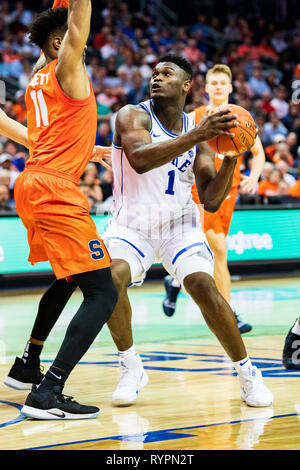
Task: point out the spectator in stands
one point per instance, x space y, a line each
267 170
284 168
293 113
104 135
283 189
7 170
107 97
271 149
248 49
292 142
91 178
242 86
4 198
25 77
192 52
125 83
266 52
21 15
231 31
138 90
110 48
266 103
257 82
278 42
279 102
282 153
269 187
272 79
273 128
20 107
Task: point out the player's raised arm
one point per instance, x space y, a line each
71 71
132 134
13 130
212 186
79 21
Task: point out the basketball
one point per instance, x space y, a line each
245 133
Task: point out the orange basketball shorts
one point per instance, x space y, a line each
218 221
59 228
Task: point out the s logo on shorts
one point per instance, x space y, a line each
95 248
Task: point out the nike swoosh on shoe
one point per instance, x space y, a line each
59 415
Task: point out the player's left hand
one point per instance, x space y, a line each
248 185
102 155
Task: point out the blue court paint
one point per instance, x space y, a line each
270 367
18 419
153 436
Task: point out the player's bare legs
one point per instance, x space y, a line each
132 375
217 313
217 243
120 320
221 320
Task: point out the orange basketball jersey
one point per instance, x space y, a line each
61 131
199 113
60 3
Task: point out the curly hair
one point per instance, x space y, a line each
47 23
180 62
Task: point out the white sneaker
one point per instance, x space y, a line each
132 380
253 390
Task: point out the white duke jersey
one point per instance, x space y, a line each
160 196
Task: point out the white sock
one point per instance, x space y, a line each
232 306
296 328
175 283
243 367
129 357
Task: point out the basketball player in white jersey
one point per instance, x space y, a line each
155 159
157 153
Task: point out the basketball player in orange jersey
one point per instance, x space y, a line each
62 120
216 225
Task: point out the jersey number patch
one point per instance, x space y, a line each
41 111
170 189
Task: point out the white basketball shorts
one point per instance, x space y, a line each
180 255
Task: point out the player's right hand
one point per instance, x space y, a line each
215 124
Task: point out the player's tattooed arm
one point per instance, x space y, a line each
13 130
133 125
213 187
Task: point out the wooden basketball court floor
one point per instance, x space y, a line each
192 400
